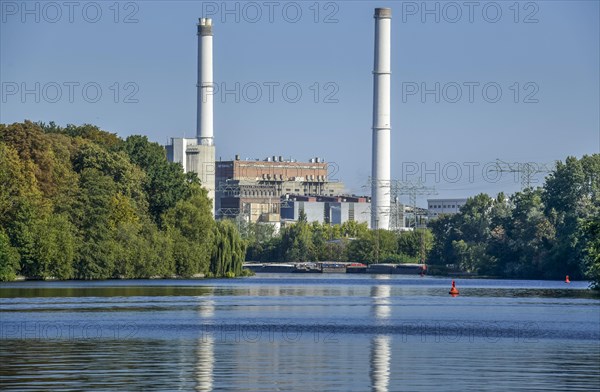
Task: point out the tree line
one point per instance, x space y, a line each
543 233
349 242
79 202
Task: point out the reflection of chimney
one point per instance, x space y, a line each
381 301
204 119
205 351
381 355
380 187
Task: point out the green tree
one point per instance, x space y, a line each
229 250
54 248
570 199
590 232
362 249
165 183
297 242
415 243
98 251
9 258
190 226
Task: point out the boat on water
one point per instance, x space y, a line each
356 268
333 267
269 267
338 267
307 268
400 269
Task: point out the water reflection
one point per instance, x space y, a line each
205 364
206 308
321 336
205 352
381 351
381 356
381 294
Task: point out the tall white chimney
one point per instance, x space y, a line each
204 119
380 187
202 159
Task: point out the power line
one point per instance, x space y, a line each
526 170
403 188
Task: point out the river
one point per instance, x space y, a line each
293 332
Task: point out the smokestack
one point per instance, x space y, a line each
204 119
380 188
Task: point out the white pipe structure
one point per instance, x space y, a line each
380 187
204 116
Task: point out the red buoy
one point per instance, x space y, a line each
453 291
567 280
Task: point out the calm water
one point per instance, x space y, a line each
303 333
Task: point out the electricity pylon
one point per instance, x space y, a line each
526 170
403 188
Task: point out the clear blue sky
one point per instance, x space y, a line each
554 60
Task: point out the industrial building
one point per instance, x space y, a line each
437 207
333 210
253 187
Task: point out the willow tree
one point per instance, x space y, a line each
229 250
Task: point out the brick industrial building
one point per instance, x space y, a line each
253 188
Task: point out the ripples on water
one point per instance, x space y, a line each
322 333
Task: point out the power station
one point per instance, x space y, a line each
260 189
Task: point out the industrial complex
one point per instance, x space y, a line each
276 190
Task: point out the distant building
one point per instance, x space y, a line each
437 207
334 210
252 188
253 201
195 157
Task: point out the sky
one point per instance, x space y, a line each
472 82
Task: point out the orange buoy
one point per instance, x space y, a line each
567 280
453 291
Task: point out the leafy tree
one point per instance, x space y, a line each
415 243
590 232
297 242
9 258
92 215
20 197
354 229
190 226
89 132
229 250
165 183
33 148
362 249
54 248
